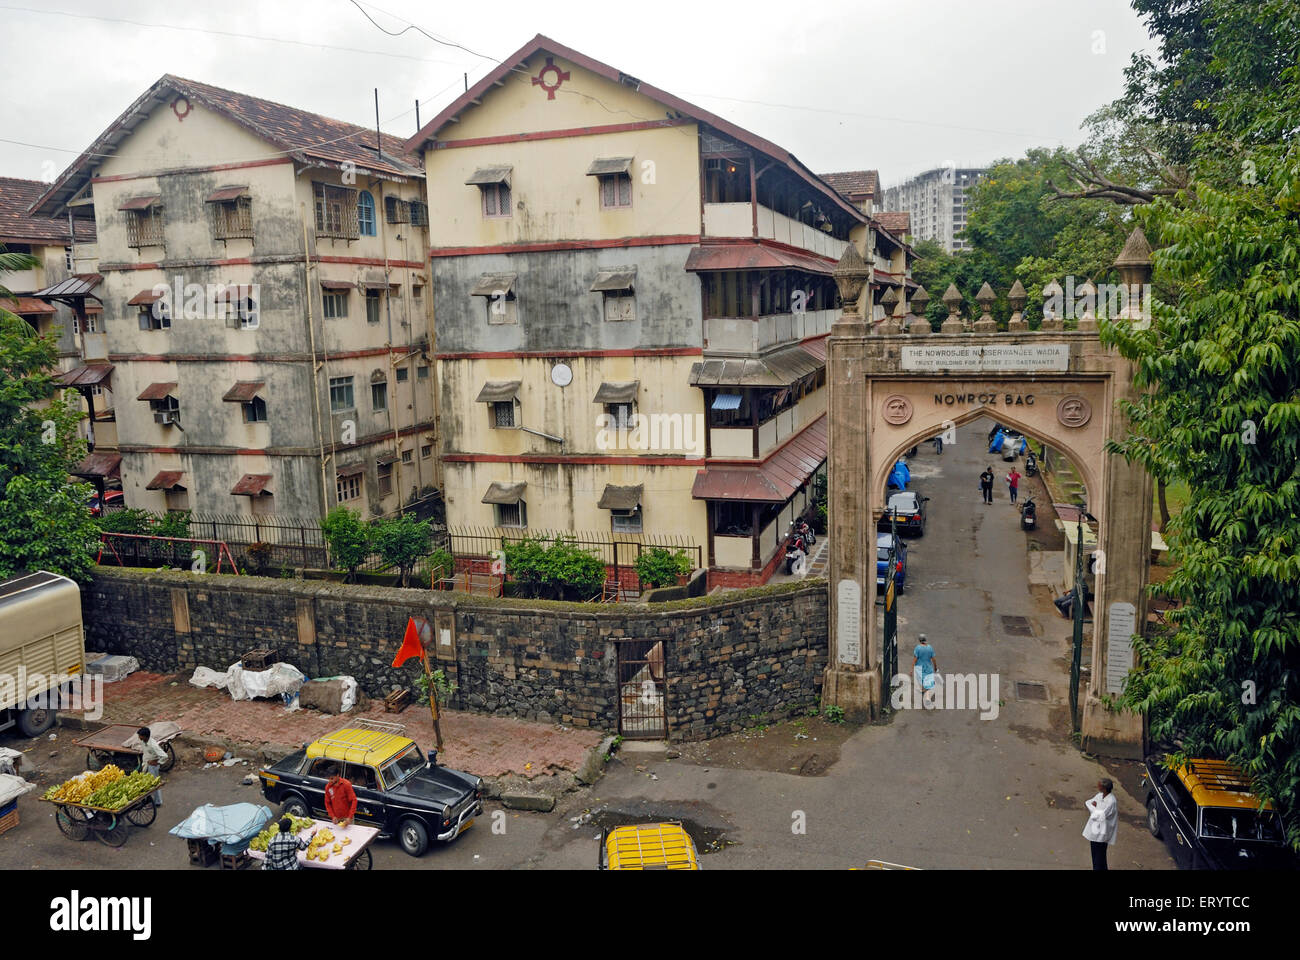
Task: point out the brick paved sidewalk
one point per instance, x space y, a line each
483 745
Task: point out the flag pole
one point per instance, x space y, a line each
433 698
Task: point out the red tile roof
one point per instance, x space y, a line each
104 464
776 479
753 256
897 222
854 183
26 306
19 226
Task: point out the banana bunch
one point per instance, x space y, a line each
81 787
263 839
121 791
319 848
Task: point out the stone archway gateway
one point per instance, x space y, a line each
891 388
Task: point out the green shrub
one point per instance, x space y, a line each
560 571
348 539
130 520
172 525
437 566
658 567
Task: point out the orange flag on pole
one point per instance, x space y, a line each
410 645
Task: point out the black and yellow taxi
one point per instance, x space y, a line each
1210 820
399 790
648 846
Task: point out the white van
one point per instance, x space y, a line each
42 647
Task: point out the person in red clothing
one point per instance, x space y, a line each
340 801
1013 481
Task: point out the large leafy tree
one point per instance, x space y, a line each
1222 361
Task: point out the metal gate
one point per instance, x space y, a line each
642 692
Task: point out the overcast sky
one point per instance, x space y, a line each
843 84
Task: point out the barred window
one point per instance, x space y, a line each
496 200
144 228
349 488
503 413
511 514
616 191
233 219
336 212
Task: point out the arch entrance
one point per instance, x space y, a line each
890 390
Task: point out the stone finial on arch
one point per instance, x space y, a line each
1016 297
986 298
850 276
952 300
919 324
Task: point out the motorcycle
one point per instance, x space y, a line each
1028 514
800 526
796 552
1031 465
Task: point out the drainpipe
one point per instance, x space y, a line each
315 366
388 313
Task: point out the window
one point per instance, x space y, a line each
408 456
361 776
254 410
422 372
620 306
502 307
341 394
372 306
337 211
166 411
366 214
621 414
419 213
403 374
92 323
144 228
242 313
67 257
379 396
349 488
733 519
336 305
503 413
511 514
385 473
626 521
426 451
396 210
496 200
232 219
616 191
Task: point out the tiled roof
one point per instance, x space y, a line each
850 183
897 222
18 226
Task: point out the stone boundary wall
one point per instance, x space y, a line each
728 659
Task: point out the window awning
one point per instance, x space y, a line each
753 256
337 285
378 285
777 369
244 391
504 493
622 278
727 401
85 376
351 469
27 306
498 391
227 193
104 464
617 392
609 166
252 485
140 203
776 479
486 176
490 284
620 498
144 298
384 459
165 480
157 391
236 292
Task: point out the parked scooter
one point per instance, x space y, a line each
1028 514
1031 465
796 551
800 526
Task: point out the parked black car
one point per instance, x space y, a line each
1210 820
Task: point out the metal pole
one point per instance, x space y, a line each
1078 625
433 699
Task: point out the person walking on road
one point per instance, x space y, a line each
1103 816
986 484
152 757
923 660
938 445
1013 482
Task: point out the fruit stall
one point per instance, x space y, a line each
332 847
104 803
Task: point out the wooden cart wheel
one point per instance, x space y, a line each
117 831
143 815
73 822
171 758
362 861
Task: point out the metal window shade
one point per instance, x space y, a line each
244 391
102 464
727 401
620 498
610 166
140 203
337 285
165 480
490 284
85 376
350 470
157 391
504 493
487 176
227 193
498 391
251 485
609 281
386 459
144 298
618 392
780 368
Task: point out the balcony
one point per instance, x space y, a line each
741 335
737 220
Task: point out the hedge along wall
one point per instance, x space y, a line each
758 652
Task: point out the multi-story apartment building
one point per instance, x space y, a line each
936 201
632 298
264 304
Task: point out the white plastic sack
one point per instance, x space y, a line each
282 678
349 693
204 677
12 787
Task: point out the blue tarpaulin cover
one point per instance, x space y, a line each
230 824
899 476
995 445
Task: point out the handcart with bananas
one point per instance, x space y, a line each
332 846
104 803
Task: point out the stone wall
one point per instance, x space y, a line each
753 653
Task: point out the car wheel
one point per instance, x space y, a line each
34 722
295 807
1153 817
413 837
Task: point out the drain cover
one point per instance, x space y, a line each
1031 690
1017 626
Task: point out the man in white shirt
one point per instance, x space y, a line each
1103 816
152 756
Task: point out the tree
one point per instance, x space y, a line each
401 540
560 571
44 520
1222 361
348 539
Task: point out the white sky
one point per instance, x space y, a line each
900 86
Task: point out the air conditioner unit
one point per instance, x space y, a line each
165 417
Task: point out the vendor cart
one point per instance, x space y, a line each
117 742
78 821
355 856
